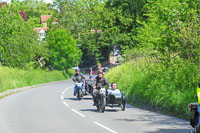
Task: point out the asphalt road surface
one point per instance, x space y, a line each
53 109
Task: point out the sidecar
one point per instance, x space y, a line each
116 100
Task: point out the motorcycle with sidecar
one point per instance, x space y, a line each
112 100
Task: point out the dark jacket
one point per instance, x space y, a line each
100 82
78 78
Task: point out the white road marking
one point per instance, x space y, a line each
68 88
63 92
62 97
65 104
105 127
78 112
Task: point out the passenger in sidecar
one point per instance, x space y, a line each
115 98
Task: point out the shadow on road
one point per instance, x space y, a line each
75 98
89 110
111 110
126 119
95 110
170 131
86 98
158 120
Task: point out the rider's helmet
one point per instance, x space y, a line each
77 69
100 72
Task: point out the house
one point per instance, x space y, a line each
44 19
41 33
42 30
3 2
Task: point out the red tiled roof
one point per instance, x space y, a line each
1 4
38 29
45 18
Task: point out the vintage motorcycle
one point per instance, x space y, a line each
79 92
111 100
89 87
101 100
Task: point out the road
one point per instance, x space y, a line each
53 109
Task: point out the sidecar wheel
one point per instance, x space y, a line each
123 105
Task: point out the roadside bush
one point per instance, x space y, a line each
169 89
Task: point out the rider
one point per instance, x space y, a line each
91 72
198 97
98 83
78 77
104 70
113 89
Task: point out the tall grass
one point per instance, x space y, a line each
11 78
167 89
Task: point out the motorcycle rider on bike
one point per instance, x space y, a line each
78 77
99 82
198 98
91 72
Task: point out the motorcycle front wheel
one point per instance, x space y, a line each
79 94
103 104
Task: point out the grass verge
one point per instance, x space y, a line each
11 78
165 89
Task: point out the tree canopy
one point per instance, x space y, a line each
63 51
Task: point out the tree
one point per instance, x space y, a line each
171 30
63 52
18 40
127 13
33 10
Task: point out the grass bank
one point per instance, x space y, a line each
167 89
11 78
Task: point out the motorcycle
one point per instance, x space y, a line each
79 92
89 84
101 100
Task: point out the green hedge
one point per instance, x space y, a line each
11 78
168 89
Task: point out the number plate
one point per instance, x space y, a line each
103 90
